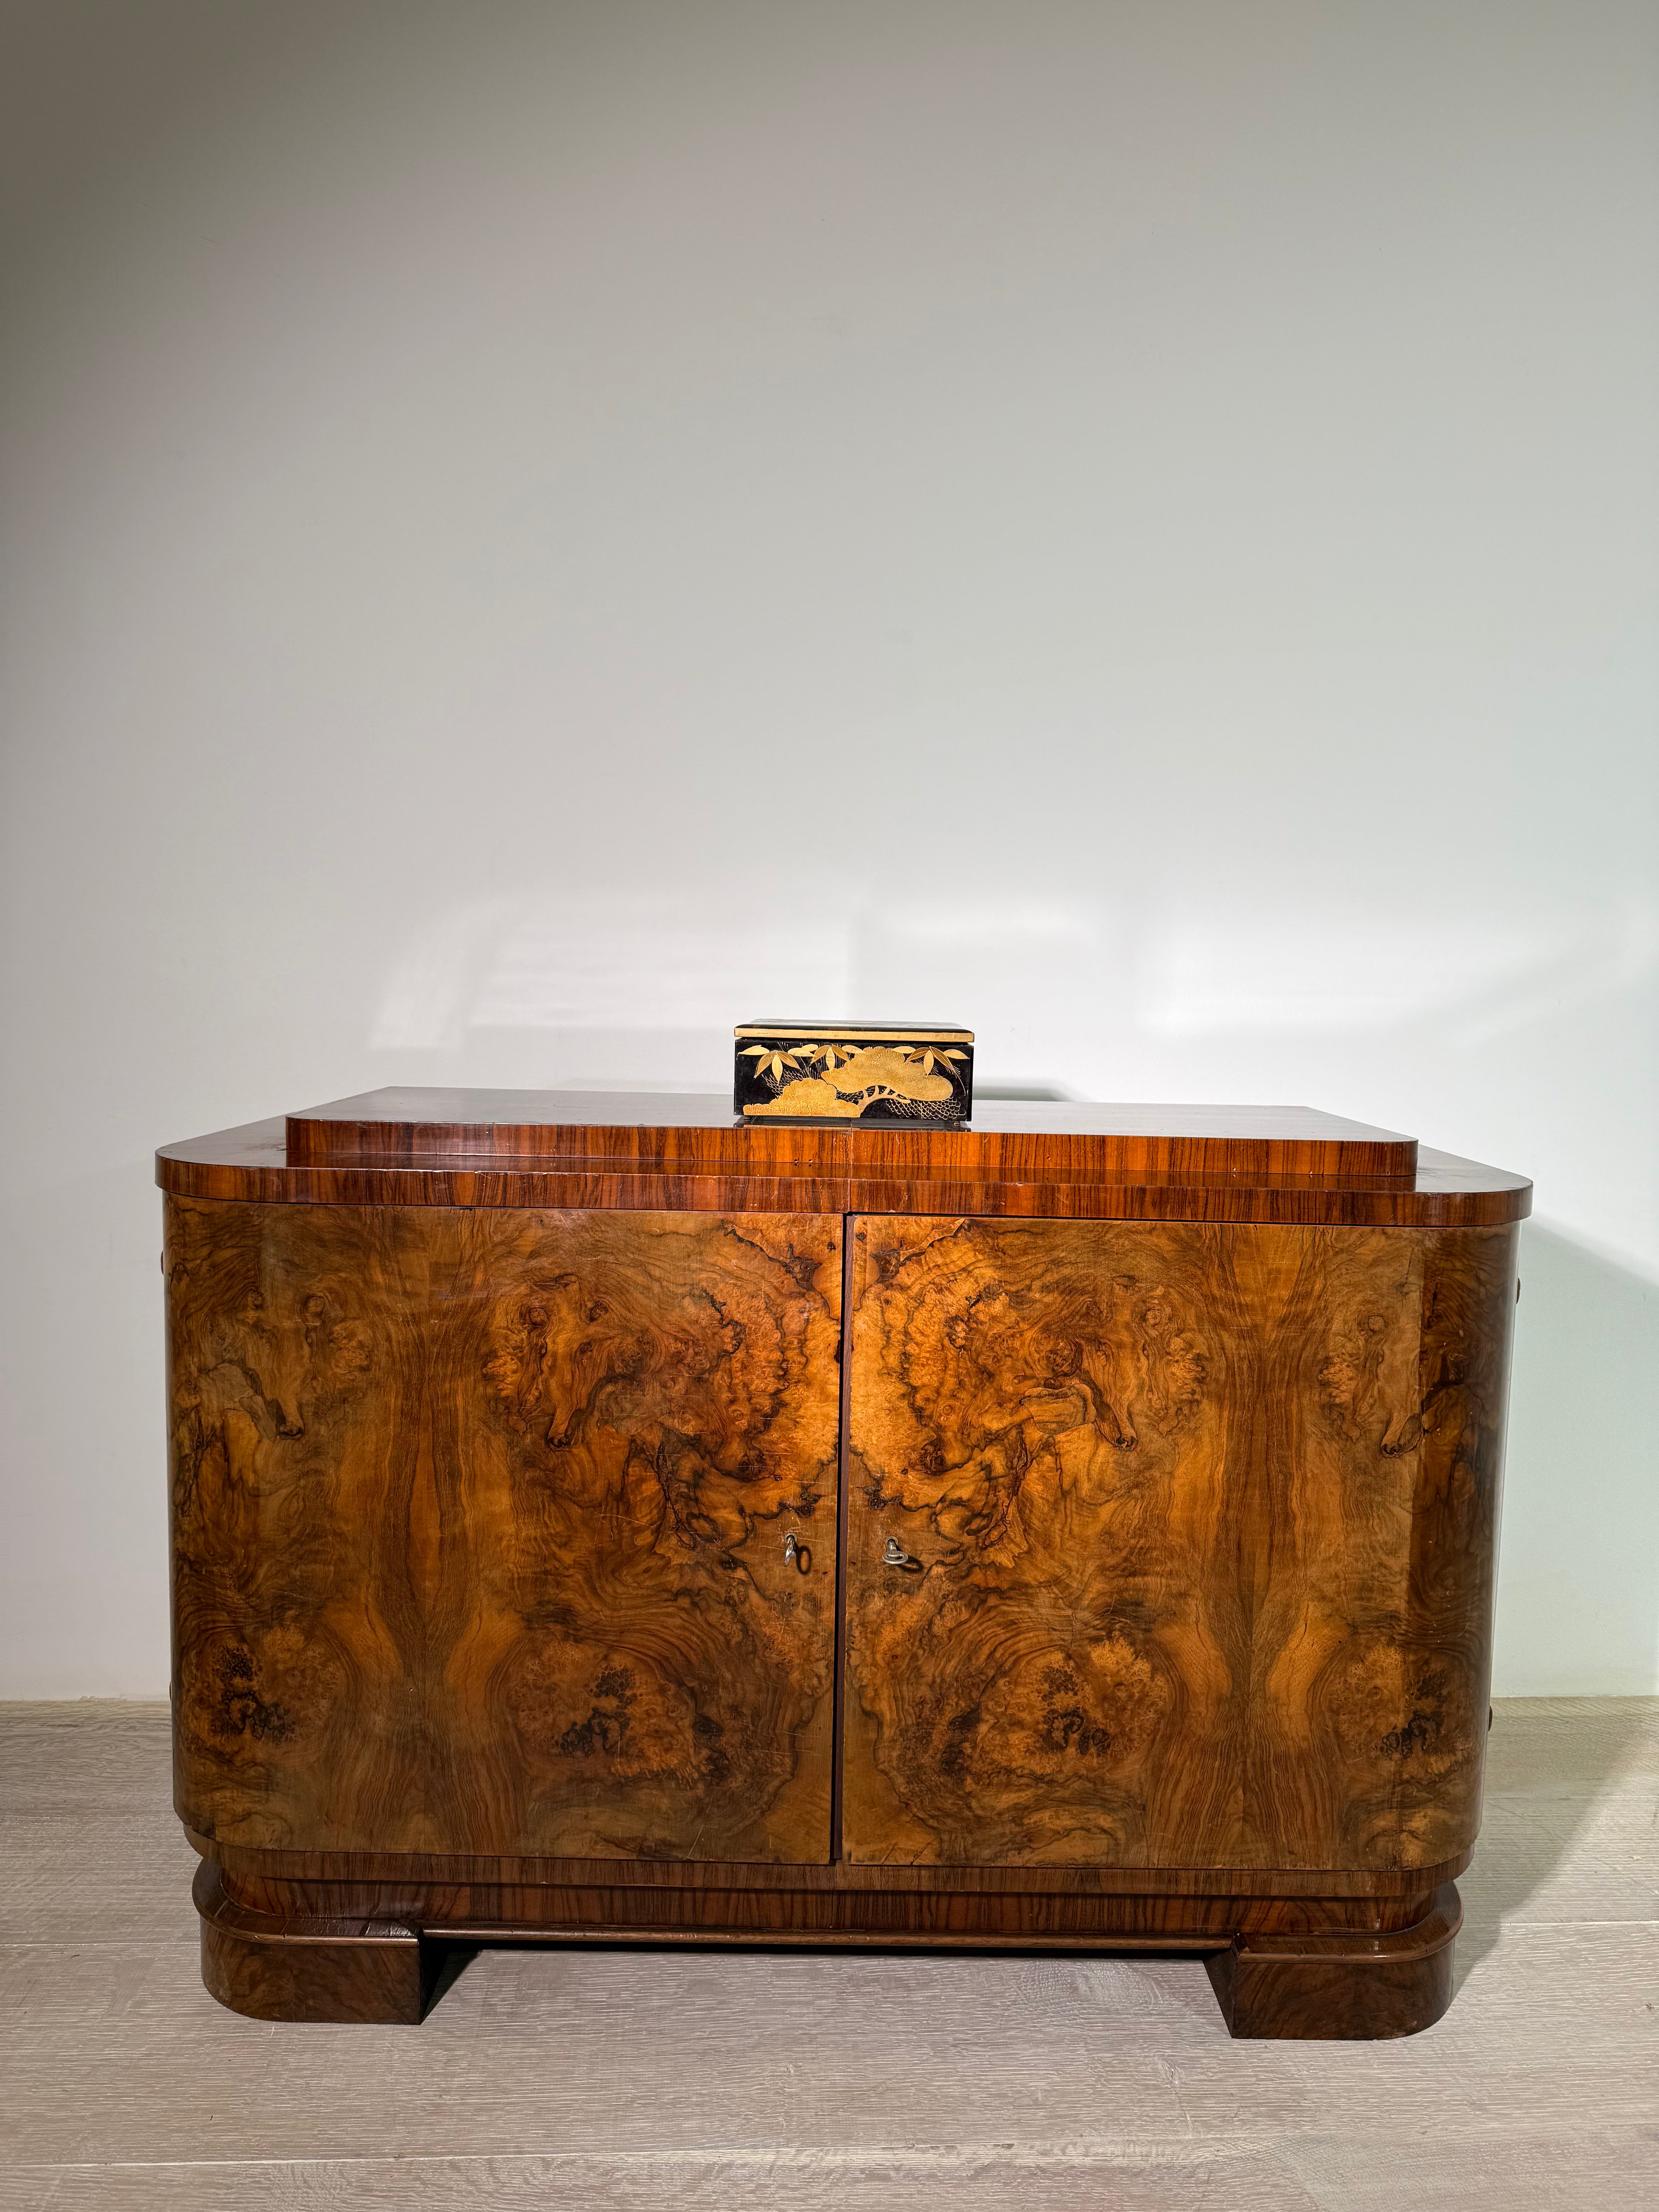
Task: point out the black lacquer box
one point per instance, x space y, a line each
854 1071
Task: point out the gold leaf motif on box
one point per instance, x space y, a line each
854 1077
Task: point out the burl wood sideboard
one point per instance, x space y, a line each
594 1518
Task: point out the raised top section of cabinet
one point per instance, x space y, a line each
686 1151
687 1128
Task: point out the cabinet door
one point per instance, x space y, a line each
505 1532
1169 1545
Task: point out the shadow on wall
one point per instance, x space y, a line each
1578 1568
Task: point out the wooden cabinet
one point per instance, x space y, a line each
1065 1531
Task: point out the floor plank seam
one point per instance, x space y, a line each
1151 2153
1172 2154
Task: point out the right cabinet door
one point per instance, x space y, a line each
1170 1544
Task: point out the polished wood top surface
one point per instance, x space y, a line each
685 1151
698 1129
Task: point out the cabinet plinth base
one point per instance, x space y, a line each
1332 1968
1342 1986
275 1967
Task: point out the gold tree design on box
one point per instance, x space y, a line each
920 1079
773 1059
928 1055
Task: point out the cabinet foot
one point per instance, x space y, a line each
282 1968
1345 1987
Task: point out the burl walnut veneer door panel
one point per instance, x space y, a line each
1196 1528
481 1525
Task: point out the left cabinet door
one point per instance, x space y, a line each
504 1533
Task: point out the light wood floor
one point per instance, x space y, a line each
568 2078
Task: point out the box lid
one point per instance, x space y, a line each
895 1032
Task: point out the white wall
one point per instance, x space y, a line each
534 532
